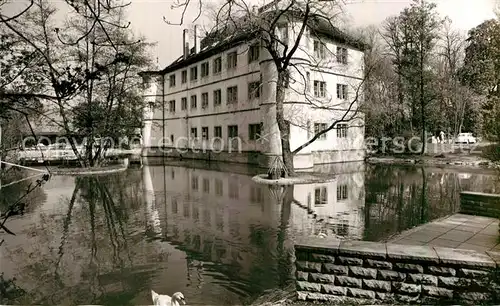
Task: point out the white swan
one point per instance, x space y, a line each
164 300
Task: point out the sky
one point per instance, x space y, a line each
146 17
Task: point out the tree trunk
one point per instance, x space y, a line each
283 125
424 202
284 262
1 151
401 97
88 151
422 101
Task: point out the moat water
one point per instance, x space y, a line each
209 232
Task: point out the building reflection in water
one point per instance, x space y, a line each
228 219
333 209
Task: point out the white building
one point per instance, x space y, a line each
217 101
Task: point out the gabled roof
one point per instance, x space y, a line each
212 44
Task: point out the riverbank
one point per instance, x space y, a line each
450 160
300 178
88 171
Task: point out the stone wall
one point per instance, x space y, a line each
338 156
256 158
364 272
480 204
245 157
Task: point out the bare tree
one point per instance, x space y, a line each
86 72
393 33
383 105
296 36
411 37
4 5
454 97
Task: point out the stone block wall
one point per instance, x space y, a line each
480 204
363 272
244 157
301 161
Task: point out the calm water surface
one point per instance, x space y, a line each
210 233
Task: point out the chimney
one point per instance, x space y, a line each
196 40
185 43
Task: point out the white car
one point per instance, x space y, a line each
465 138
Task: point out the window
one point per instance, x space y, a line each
342 192
204 69
172 139
193 102
341 91
342 55
320 196
194 182
232 95
206 185
234 192
174 206
218 131
184 103
256 194
319 89
308 82
196 213
217 65
283 33
204 132
318 127
232 60
319 50
194 73
204 100
217 97
253 53
184 76
172 174
172 80
232 131
341 130
254 131
194 132
253 90
219 220
171 106
234 141
218 187
207 218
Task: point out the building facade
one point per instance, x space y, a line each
218 100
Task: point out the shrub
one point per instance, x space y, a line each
492 152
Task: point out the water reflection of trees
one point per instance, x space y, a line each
398 198
85 256
274 244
